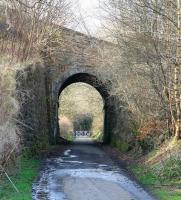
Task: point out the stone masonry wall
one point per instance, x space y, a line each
33 113
77 49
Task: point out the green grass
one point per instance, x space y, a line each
98 136
165 194
169 171
144 175
153 182
23 181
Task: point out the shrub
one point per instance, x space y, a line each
9 107
83 122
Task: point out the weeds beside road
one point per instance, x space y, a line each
23 178
160 173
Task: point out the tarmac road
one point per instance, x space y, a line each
84 172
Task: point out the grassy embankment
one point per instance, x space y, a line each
22 179
164 190
160 171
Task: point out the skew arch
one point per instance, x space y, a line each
85 75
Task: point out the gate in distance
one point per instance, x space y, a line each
82 134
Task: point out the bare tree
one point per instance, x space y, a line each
29 25
26 26
148 76
177 82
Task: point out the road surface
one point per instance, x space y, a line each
84 172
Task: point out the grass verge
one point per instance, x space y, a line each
23 179
159 170
162 189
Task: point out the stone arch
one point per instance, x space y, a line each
86 75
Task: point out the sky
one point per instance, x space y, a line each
87 13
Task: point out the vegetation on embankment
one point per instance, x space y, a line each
9 109
22 44
159 170
167 189
98 136
23 178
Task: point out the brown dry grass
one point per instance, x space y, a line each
9 107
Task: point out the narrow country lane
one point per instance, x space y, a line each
84 172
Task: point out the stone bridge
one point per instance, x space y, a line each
77 58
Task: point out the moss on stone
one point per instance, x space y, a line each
118 143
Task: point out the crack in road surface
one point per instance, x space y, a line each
84 172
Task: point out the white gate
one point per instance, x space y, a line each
82 134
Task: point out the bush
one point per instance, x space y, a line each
151 134
9 107
83 122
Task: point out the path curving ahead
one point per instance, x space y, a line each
84 172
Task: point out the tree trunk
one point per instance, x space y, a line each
177 76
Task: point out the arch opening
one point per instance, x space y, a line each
81 113
75 77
